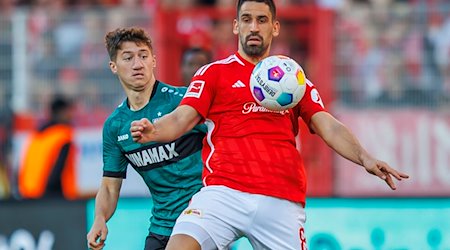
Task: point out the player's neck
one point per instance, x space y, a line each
252 59
138 100
136 107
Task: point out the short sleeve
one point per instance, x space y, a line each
114 162
310 104
201 91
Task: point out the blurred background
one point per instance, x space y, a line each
381 66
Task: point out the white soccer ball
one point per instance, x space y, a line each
277 83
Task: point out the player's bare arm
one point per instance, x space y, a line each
345 143
168 128
105 205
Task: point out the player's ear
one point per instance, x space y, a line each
154 61
113 67
235 27
276 28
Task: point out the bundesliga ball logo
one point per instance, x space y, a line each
277 83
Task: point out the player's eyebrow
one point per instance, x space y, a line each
144 50
132 52
251 16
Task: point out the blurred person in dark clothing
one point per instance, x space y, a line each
191 61
48 169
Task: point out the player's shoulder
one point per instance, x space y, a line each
219 66
116 114
166 90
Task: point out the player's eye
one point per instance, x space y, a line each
246 19
263 20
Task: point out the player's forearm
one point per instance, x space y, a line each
175 124
345 143
339 137
105 204
168 129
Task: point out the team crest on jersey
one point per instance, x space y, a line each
193 211
195 89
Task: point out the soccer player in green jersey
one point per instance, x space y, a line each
171 170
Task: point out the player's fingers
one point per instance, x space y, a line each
100 241
403 175
397 175
102 237
378 172
140 140
135 128
390 182
137 123
390 171
95 245
144 122
100 247
400 175
92 240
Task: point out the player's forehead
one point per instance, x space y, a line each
133 47
254 9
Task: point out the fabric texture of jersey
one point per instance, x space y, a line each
248 147
172 170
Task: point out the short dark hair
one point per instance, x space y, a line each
270 3
59 104
115 38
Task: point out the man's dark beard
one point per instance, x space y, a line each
253 50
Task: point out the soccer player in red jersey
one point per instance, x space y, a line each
254 178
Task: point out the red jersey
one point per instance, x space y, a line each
248 147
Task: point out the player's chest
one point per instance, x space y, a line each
233 90
124 139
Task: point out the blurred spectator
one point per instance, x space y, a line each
46 61
93 56
394 83
381 50
192 59
439 37
222 39
93 110
353 51
6 7
68 38
48 166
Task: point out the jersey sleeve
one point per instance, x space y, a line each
310 104
114 163
200 92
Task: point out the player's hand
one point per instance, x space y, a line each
97 235
384 171
142 130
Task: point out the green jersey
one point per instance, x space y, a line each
171 171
